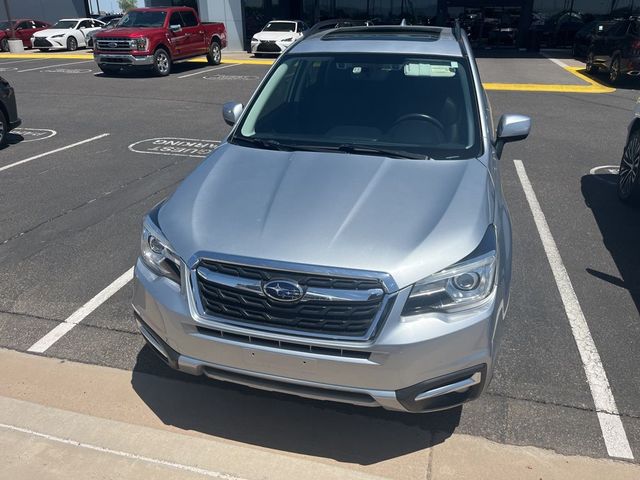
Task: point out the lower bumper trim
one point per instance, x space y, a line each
124 60
437 394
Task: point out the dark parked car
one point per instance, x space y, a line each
617 51
108 18
108 26
587 34
8 111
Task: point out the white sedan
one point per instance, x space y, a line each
68 33
276 36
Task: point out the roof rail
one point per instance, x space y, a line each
457 30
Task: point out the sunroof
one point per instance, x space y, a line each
383 34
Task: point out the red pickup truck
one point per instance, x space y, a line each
156 38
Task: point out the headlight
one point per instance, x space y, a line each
290 39
254 39
58 36
157 254
140 43
464 285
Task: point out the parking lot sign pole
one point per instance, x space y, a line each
6 7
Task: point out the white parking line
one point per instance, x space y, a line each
119 453
35 157
560 63
53 66
199 72
20 61
615 437
76 317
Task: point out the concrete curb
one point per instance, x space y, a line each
77 416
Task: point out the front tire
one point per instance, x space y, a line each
628 189
4 129
72 44
214 56
614 71
161 62
590 65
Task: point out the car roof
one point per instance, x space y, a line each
74 19
415 40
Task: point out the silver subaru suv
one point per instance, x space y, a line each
349 241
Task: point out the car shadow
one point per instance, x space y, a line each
345 433
619 225
14 138
177 69
625 83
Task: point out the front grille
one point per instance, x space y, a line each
268 46
310 316
41 42
113 44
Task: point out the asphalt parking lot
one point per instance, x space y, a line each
95 153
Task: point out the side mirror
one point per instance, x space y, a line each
175 28
231 112
511 128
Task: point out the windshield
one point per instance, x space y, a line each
137 18
417 105
65 24
280 27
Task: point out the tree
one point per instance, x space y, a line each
127 4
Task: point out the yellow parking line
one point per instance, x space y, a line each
592 87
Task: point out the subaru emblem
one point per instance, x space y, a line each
283 290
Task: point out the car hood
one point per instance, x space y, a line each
128 32
408 218
49 32
275 35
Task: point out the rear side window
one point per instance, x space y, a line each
189 19
41 25
176 19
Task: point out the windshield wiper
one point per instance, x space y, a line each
266 143
387 152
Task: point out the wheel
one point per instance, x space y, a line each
4 45
109 70
614 71
161 62
3 129
628 189
590 65
215 53
43 49
72 44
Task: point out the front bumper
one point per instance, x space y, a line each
126 60
274 48
424 363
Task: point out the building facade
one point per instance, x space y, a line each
46 10
492 21
559 19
